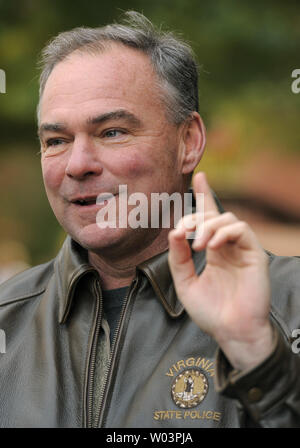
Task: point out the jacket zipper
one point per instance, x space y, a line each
90 369
115 345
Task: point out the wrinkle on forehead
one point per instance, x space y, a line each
118 70
85 84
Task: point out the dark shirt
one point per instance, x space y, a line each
113 300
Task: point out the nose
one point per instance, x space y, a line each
84 160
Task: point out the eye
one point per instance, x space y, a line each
54 142
53 146
112 133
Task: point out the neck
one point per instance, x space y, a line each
118 270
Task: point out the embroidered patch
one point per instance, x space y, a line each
189 388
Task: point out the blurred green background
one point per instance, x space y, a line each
247 51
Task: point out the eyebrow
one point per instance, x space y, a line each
52 127
119 114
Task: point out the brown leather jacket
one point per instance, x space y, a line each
163 370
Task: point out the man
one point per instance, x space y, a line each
108 332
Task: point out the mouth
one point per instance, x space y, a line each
84 202
89 201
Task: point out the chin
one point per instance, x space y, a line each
94 239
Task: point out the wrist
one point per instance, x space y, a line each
246 353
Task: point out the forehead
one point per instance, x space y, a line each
118 77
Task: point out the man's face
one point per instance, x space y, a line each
103 124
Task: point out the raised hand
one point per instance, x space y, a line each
230 300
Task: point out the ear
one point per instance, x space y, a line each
193 141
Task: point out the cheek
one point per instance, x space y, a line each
53 174
133 166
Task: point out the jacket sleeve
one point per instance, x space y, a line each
268 395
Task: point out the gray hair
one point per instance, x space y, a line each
172 58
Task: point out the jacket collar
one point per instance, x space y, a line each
158 273
72 264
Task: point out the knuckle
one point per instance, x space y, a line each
229 216
243 225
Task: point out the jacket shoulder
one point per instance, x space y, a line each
285 268
285 291
29 283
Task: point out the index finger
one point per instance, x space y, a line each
200 185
